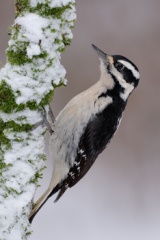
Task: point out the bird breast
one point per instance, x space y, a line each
70 124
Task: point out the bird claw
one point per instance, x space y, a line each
44 120
51 114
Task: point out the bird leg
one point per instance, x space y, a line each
44 120
51 114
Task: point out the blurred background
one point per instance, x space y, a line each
119 199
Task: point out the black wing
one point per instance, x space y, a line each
83 162
97 135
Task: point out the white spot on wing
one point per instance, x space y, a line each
66 185
77 163
81 151
130 67
72 174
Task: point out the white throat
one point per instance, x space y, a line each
105 78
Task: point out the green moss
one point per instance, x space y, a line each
7 98
12 191
12 126
42 9
4 141
18 127
47 98
8 102
37 176
18 93
14 31
2 125
32 105
66 41
57 41
21 5
61 49
45 10
21 118
19 140
20 107
4 165
53 30
41 55
61 84
28 233
43 157
18 58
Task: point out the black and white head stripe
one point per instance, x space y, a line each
131 67
127 69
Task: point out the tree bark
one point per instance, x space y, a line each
40 33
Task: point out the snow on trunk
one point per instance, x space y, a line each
41 31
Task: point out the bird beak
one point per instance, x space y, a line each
107 59
100 53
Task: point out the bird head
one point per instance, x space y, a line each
121 70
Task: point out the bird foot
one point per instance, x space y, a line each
45 121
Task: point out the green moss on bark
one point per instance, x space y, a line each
20 57
7 98
47 98
41 9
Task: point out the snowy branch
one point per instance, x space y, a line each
41 31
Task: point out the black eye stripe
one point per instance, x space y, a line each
119 66
126 73
117 58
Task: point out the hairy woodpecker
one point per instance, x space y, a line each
85 126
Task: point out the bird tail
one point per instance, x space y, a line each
41 201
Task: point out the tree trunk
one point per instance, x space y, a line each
33 70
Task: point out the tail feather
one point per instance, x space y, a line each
41 201
61 192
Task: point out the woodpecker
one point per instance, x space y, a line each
86 125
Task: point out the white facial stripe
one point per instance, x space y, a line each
128 87
130 67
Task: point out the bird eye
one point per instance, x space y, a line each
119 66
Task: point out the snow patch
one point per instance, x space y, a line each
32 25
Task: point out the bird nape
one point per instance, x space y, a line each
86 125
